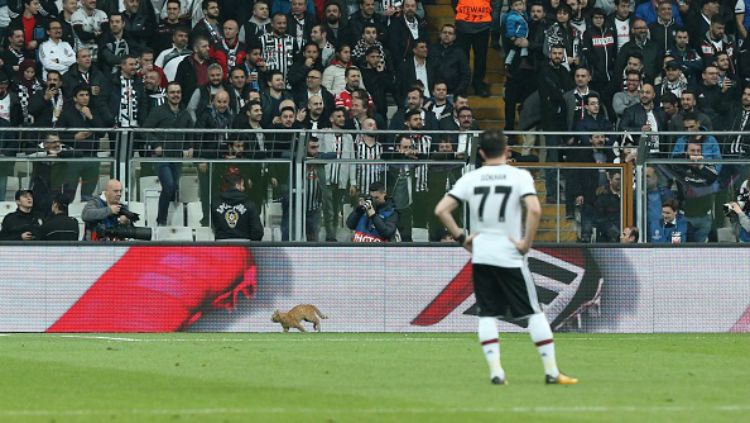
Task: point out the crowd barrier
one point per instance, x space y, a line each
236 288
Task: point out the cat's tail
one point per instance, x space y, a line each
317 311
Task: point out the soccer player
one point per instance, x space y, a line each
497 193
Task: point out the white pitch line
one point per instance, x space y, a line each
105 338
359 411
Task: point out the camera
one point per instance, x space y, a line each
126 232
728 212
365 202
132 216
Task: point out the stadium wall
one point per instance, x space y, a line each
236 288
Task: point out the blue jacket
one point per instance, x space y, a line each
647 12
380 228
659 233
654 202
515 25
710 148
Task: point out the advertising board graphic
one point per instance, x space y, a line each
164 288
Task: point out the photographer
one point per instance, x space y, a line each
375 218
105 213
739 212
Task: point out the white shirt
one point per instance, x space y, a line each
421 72
494 194
56 56
5 108
622 29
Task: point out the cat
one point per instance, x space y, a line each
292 318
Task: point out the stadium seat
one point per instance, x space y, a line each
420 235
175 215
204 234
75 209
7 207
725 235
81 228
10 188
173 233
25 182
148 185
189 190
194 214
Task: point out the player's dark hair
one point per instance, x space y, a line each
493 143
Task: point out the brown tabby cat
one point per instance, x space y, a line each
292 318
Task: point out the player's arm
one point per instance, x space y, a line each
444 212
533 215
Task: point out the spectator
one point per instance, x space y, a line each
229 51
234 215
697 186
314 181
656 11
575 99
300 21
671 228
646 116
450 61
336 28
674 81
114 44
15 51
656 194
439 104
256 146
375 218
709 146
31 23
516 28
739 120
420 67
258 25
366 15
361 112
685 55
406 29
367 147
204 95
128 95
716 40
726 69
553 80
102 213
671 106
309 60
237 89
699 23
86 74
168 25
468 129
414 102
621 21
473 22
319 36
60 226
193 71
56 54
46 106
78 114
649 50
278 48
353 78
209 27
561 32
378 79
179 37
599 54
593 119
663 23
282 145
313 87
170 115
26 84
255 67
629 235
367 39
583 184
22 224
739 212
334 75
52 176
340 177
711 97
634 63
400 180
154 93
607 208
139 24
273 96
687 105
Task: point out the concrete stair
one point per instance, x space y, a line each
490 111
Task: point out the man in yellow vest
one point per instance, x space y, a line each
473 24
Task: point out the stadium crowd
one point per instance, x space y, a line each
330 66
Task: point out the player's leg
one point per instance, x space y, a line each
488 304
490 341
541 335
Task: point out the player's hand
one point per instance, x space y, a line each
469 243
521 245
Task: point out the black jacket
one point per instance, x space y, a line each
163 117
18 222
600 52
553 83
234 216
72 118
60 227
408 76
400 41
74 78
452 66
186 77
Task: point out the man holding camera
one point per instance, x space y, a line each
105 212
375 218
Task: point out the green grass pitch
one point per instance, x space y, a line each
366 377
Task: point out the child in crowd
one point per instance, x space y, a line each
516 27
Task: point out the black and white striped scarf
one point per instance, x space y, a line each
128 117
